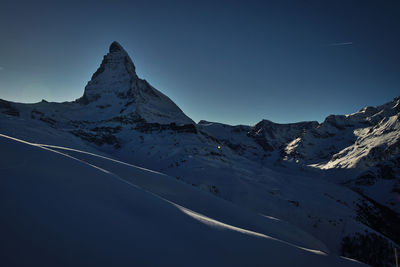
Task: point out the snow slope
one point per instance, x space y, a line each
65 211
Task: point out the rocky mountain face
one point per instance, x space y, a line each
338 180
273 136
340 135
116 88
361 150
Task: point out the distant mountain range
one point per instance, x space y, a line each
338 181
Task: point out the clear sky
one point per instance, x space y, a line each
235 62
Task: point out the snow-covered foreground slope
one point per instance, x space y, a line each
61 210
317 207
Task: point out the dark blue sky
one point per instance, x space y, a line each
229 61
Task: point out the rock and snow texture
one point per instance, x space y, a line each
335 185
329 144
361 150
116 88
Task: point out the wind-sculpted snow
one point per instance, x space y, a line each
78 214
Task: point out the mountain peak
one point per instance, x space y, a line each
116 85
115 75
116 47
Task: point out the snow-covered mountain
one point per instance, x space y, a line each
338 182
116 89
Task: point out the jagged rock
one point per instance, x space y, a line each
115 85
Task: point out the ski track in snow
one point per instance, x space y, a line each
197 216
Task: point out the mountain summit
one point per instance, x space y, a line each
116 86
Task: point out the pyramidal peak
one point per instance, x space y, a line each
115 84
117 52
114 76
116 47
